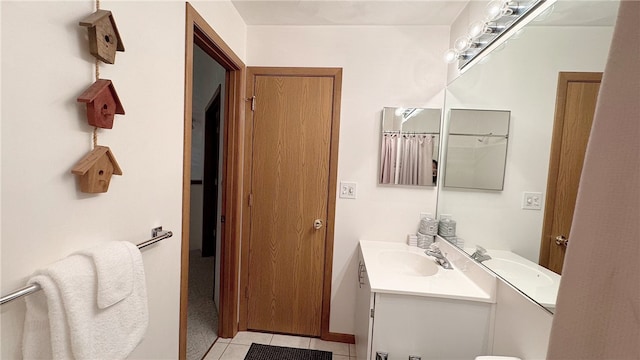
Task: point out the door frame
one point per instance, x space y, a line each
564 78
336 74
200 33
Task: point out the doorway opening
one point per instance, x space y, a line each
207 110
212 166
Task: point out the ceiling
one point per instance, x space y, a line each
580 13
405 12
360 12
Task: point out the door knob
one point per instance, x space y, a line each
317 224
562 241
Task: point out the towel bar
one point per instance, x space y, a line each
35 287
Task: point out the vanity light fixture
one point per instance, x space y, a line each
479 28
500 17
409 113
499 8
451 55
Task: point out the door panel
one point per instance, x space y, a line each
577 98
289 191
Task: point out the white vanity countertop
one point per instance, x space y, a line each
451 284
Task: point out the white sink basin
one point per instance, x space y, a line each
518 273
407 263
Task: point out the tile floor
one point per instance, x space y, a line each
236 348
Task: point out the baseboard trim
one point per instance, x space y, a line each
338 337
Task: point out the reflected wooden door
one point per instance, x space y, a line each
575 106
290 180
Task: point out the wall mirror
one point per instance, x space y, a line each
410 141
523 76
476 149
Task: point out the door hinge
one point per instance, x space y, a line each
372 312
250 200
253 103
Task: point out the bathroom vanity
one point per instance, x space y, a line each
407 305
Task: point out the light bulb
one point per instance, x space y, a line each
499 8
450 56
462 44
477 28
494 10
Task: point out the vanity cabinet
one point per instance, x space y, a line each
404 324
364 313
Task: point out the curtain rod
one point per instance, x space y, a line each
409 132
27 290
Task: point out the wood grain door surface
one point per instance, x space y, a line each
575 108
292 121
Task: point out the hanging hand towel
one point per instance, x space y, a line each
114 270
72 289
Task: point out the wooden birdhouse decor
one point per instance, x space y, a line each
102 103
95 170
104 38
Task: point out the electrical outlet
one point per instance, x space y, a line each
348 189
532 200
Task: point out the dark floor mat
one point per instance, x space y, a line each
268 352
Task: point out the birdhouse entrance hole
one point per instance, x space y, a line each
101 172
107 39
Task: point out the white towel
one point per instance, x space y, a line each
114 270
64 321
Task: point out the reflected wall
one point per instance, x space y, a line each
521 77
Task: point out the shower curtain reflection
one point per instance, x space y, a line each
415 163
388 158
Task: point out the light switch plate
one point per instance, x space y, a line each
531 200
348 189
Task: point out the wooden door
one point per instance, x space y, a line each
292 121
575 106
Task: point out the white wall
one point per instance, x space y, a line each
382 66
522 77
44 132
522 327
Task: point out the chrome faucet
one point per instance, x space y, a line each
480 254
435 251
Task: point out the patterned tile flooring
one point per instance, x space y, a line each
236 348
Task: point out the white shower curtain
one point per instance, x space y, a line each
416 160
598 308
388 158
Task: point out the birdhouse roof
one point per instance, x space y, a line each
100 15
88 160
98 87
